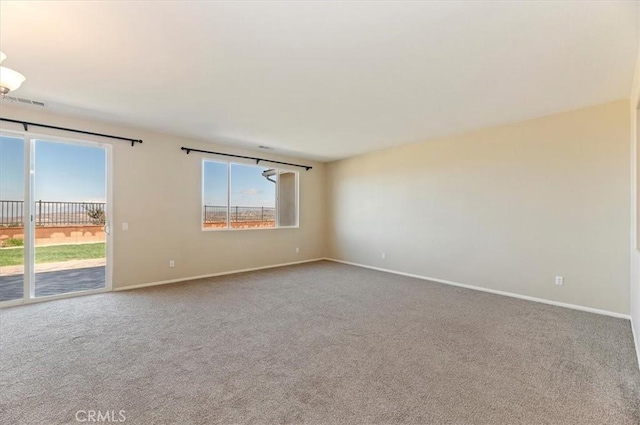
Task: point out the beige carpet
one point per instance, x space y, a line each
321 343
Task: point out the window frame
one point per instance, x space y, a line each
228 227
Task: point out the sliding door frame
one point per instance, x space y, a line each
29 140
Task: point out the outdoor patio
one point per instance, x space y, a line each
54 282
69 248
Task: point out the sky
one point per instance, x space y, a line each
63 172
72 173
248 187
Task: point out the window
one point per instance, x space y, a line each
242 196
215 195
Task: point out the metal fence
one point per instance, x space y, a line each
52 213
238 214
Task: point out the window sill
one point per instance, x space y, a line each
212 229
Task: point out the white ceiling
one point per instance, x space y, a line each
322 80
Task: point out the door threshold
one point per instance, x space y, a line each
15 303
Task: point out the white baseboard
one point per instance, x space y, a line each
183 279
492 291
416 276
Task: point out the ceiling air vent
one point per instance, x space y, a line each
24 101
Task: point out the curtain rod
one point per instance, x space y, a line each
256 159
26 125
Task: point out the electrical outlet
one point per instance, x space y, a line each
297 250
384 255
559 280
125 226
172 264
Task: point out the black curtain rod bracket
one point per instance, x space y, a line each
256 159
26 124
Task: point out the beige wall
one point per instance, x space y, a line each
157 190
506 208
634 105
634 292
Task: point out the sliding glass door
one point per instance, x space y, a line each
12 212
69 210
54 217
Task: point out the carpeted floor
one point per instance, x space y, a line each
320 343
